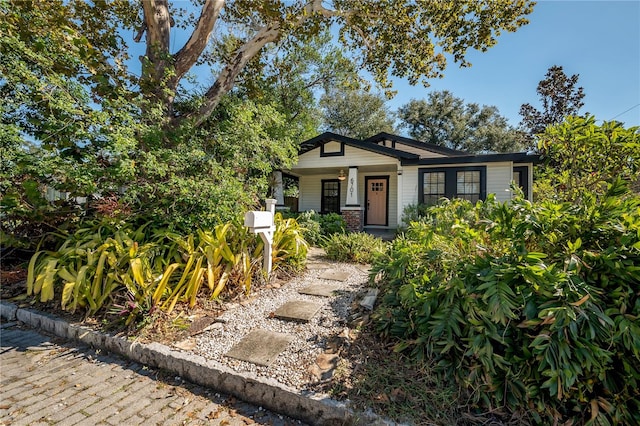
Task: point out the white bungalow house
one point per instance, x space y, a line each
371 181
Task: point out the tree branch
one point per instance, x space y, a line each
158 25
227 76
245 53
193 48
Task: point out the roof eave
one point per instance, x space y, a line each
516 157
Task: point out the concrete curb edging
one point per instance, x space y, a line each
315 409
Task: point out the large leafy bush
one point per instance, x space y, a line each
105 263
358 247
533 308
581 156
316 227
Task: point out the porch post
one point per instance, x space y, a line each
352 212
400 200
278 190
352 188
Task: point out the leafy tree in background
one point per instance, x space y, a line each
583 157
385 38
445 120
560 98
355 113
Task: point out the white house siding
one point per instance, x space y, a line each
530 179
311 191
352 157
332 147
410 187
499 177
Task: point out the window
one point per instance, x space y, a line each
521 178
433 187
452 182
330 196
332 149
468 185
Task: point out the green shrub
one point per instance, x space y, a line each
413 213
149 267
533 308
332 223
357 247
316 227
310 227
289 245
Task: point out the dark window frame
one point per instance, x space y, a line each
450 180
332 153
524 179
323 207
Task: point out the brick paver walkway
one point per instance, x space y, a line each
45 381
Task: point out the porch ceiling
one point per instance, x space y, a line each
335 170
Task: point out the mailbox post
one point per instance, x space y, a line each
261 223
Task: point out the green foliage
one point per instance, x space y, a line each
357 247
560 98
525 302
316 228
332 223
310 227
584 157
355 113
447 121
414 212
113 265
289 245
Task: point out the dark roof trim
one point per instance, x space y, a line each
315 142
415 143
516 157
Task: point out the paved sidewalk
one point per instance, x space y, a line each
45 381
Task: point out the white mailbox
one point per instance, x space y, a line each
258 221
261 223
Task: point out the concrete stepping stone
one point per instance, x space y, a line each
324 290
318 265
260 347
335 275
297 310
316 253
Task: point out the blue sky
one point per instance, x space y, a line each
598 40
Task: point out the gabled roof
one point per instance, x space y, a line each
415 143
315 142
451 156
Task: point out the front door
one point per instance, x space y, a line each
377 200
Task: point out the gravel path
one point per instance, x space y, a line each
292 367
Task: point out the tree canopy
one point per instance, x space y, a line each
560 97
583 157
355 113
445 120
387 38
